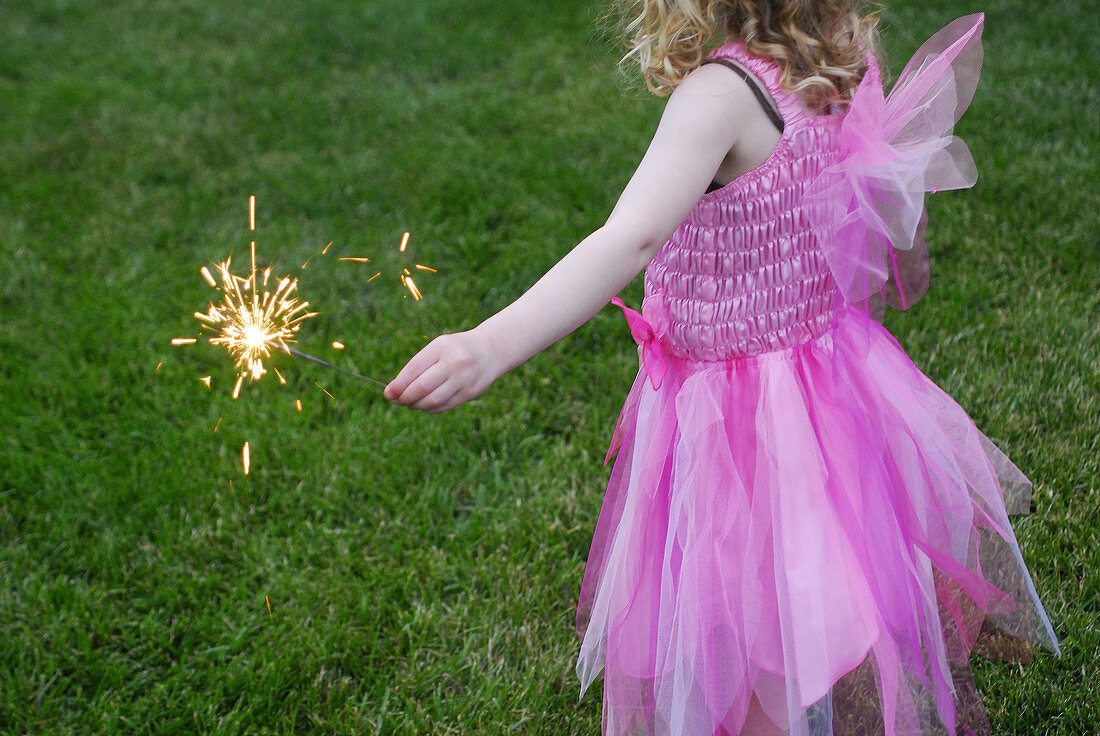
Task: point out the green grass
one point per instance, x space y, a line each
422 571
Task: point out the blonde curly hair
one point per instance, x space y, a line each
821 45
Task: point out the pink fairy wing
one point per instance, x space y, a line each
958 46
868 207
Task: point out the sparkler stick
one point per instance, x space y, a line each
307 356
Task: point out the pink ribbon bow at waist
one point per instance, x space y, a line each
653 354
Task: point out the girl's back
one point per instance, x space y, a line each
745 273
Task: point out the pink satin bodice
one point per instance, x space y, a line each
745 274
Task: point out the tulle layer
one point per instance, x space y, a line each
867 208
805 539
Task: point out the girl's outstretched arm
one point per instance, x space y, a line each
699 127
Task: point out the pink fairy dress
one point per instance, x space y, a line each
799 522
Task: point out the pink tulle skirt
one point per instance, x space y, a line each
809 541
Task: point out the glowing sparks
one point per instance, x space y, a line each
268 601
159 365
325 392
405 276
251 323
255 316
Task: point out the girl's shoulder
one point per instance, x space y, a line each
767 70
765 73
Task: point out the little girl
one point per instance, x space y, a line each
802 534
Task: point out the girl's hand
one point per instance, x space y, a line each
450 370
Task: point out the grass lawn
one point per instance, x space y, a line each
422 571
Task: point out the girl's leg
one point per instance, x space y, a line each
758 724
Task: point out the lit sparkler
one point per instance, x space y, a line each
256 317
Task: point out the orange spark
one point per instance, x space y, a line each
268 600
209 277
246 461
411 286
237 388
325 250
426 268
357 259
206 381
337 344
159 365
404 242
372 278
298 403
183 340
326 392
252 212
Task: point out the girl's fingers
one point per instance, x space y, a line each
438 401
419 364
422 385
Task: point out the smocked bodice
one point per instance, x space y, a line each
744 274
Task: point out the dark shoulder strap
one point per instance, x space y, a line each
761 96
